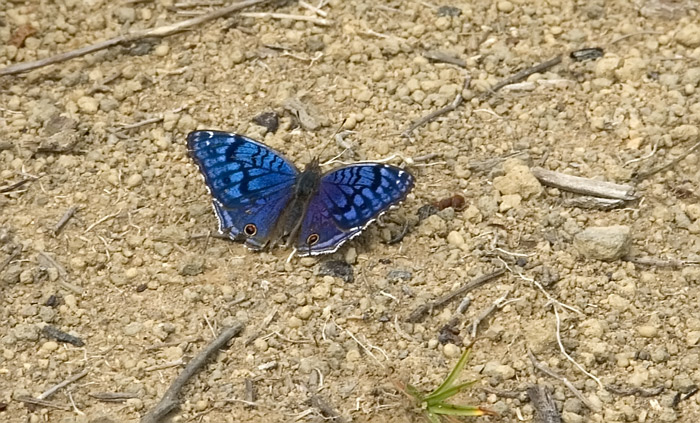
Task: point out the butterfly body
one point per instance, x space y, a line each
262 199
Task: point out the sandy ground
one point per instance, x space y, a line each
133 275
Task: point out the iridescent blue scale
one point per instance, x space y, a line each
261 197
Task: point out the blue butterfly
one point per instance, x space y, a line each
261 198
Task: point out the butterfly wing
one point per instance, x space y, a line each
347 200
250 183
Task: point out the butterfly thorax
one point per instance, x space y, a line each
305 186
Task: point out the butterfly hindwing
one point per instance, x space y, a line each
250 182
347 200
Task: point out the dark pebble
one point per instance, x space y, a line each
268 120
426 211
449 335
53 332
53 301
449 11
337 269
399 275
587 54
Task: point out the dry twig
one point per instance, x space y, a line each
408 133
326 410
170 399
596 203
63 384
42 403
543 402
113 396
312 19
622 391
522 75
655 262
421 311
584 186
64 219
158 32
441 56
643 175
551 373
499 303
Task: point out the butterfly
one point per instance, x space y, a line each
262 199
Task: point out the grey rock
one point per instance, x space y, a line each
603 243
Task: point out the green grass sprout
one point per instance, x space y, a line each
434 404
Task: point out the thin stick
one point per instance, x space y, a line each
148 121
42 403
52 390
15 253
568 357
326 410
486 313
113 396
595 203
551 373
624 37
440 56
539 286
643 175
170 398
102 219
46 260
584 186
619 390
13 187
420 312
312 19
164 366
313 8
64 219
434 115
75 407
654 262
158 32
522 75
188 340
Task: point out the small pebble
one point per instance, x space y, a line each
88 104
689 35
455 238
353 356
509 201
135 403
70 301
261 345
496 369
505 6
49 346
134 180
451 350
201 405
647 331
294 322
133 328
320 291
304 312
162 50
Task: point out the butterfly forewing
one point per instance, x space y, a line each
250 182
347 200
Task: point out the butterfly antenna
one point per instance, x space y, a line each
337 131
